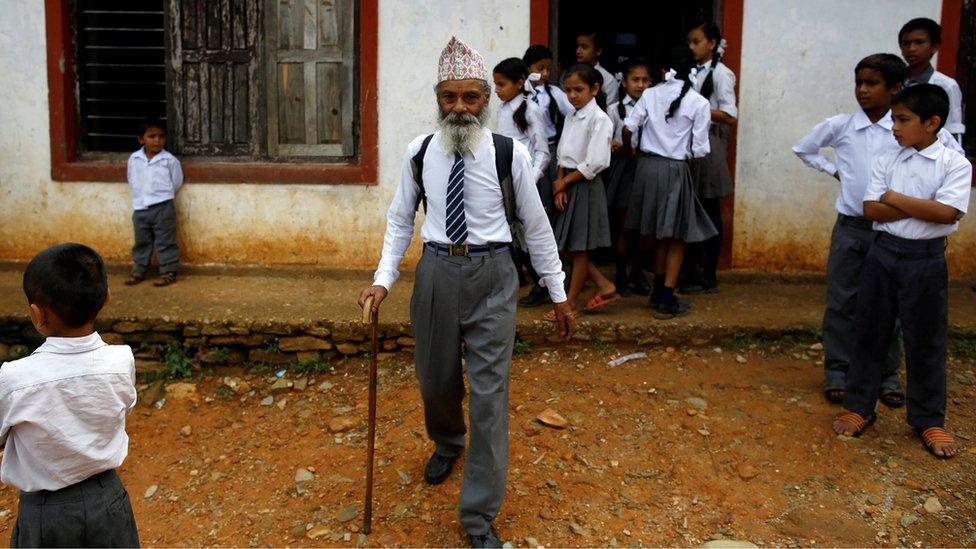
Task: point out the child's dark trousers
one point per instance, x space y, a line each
155 225
92 513
904 280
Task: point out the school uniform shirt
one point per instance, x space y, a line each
613 111
484 210
953 122
684 135
534 136
153 181
540 96
723 86
610 85
857 143
585 143
933 173
62 412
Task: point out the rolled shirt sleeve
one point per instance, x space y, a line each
724 81
637 116
539 239
699 131
176 173
955 190
598 148
399 221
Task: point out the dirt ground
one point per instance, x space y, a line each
685 446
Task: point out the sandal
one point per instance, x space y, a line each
894 399
598 301
135 278
835 396
165 280
859 422
933 436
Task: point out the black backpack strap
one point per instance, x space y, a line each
418 172
504 155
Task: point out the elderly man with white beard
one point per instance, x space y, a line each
466 284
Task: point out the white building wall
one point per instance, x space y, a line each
328 225
798 59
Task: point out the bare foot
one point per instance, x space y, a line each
852 424
939 442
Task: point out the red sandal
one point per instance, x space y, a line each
936 435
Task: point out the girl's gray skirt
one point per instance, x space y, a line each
663 203
711 173
620 181
584 225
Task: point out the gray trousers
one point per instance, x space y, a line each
469 301
92 513
155 225
849 244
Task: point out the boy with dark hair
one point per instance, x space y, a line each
916 197
154 175
857 139
919 40
589 48
63 411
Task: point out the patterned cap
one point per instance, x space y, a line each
460 62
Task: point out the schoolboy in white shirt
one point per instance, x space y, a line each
154 176
63 411
858 139
916 197
919 40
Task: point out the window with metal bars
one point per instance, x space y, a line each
121 57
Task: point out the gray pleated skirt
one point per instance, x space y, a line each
620 182
663 203
711 173
584 225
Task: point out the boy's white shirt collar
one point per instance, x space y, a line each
71 345
141 153
931 152
862 121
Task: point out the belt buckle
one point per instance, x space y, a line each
457 250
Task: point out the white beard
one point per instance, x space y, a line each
461 138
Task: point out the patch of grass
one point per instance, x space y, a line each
220 355
273 346
740 341
225 393
310 366
521 347
962 346
177 362
260 368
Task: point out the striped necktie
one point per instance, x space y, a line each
535 96
457 227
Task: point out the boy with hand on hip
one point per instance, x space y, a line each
916 197
63 409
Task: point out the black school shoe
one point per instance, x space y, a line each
438 468
699 286
640 285
538 296
489 539
667 311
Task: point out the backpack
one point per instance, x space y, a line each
504 155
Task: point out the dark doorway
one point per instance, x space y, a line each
966 74
628 28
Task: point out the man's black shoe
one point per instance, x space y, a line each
538 296
490 539
667 311
438 468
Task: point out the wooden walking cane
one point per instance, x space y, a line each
373 318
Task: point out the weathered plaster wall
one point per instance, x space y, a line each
798 61
327 225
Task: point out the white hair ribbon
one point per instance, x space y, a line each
722 45
669 76
527 86
619 77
